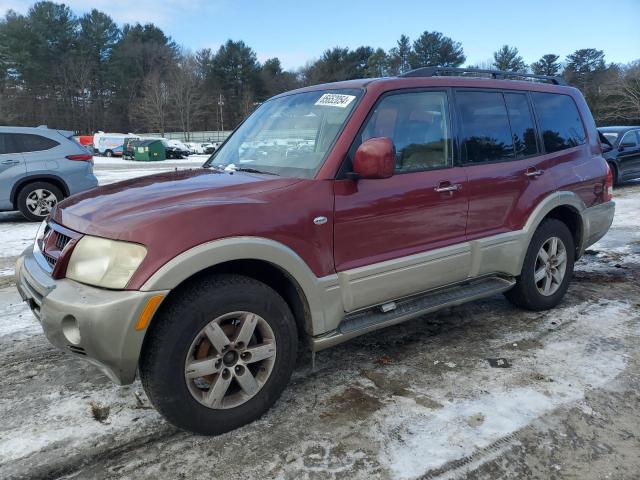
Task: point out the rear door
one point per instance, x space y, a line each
629 154
501 156
39 152
12 168
403 234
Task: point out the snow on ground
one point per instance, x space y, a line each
416 398
15 237
420 439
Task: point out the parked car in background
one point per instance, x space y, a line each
39 167
209 148
184 150
332 211
111 144
172 151
624 156
195 148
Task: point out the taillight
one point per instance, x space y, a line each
608 186
83 157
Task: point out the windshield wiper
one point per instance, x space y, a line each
248 170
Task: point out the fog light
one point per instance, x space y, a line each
70 329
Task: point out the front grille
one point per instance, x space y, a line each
50 260
62 240
56 242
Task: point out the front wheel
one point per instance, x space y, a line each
219 354
547 268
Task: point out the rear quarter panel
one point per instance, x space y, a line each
582 169
77 175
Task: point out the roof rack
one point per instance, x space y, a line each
497 74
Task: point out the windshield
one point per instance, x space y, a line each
611 136
288 136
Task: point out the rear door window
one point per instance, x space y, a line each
485 131
7 144
559 121
34 143
522 125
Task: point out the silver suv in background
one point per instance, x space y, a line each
39 167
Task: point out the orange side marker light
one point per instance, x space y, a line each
148 311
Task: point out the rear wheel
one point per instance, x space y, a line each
109 153
219 355
547 268
36 200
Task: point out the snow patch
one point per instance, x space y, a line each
15 237
417 439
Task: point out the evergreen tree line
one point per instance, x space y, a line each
85 73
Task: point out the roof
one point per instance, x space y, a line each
392 83
143 143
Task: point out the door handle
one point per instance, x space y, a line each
10 162
448 187
533 172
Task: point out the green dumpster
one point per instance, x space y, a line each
148 150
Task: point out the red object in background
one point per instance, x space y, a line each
85 140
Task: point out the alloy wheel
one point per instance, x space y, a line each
41 201
551 266
230 360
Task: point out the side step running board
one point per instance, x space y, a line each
391 313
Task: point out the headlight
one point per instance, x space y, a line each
104 263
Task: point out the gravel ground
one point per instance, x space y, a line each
481 391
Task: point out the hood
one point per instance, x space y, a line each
119 210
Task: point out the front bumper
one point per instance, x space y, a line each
93 323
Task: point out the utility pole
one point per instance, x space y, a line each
220 105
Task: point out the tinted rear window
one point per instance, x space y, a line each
7 145
559 120
34 143
486 136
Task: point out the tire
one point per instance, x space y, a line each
529 293
35 200
109 153
176 338
615 174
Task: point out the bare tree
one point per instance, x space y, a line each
152 107
185 84
622 96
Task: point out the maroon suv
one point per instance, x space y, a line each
332 211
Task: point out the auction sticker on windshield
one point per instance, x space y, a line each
335 100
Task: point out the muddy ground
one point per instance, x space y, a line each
481 391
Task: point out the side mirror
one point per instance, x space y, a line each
621 148
375 158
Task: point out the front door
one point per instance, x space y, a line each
404 234
629 154
12 168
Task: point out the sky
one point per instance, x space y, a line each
299 31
